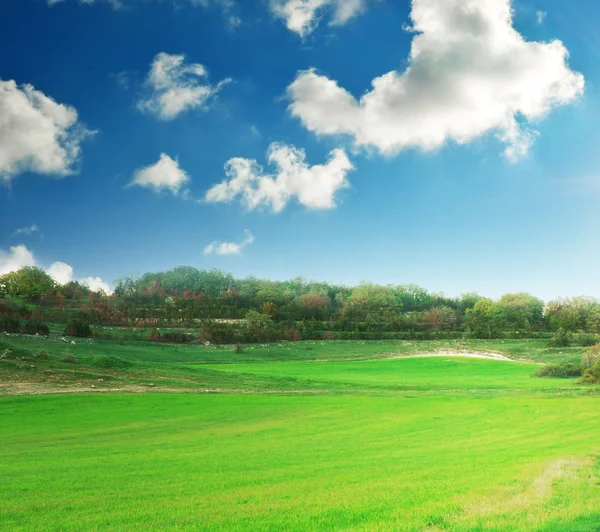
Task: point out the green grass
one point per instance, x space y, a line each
436 373
325 436
232 462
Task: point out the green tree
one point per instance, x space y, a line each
29 282
370 302
483 320
522 311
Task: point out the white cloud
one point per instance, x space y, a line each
229 248
28 231
165 175
303 16
36 133
62 273
541 16
470 73
177 87
17 257
96 284
313 186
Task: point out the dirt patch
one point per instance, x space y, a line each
29 388
462 354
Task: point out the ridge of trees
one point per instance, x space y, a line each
186 296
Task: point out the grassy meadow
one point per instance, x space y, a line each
294 436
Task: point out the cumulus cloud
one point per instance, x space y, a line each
37 134
28 231
62 273
177 87
470 73
312 186
229 248
165 175
17 257
96 284
303 16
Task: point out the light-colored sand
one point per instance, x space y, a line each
462 354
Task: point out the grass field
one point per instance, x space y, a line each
325 436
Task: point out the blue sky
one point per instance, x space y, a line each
433 197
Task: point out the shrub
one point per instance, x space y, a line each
585 340
154 336
291 335
169 337
590 357
591 375
9 325
562 338
563 370
69 359
78 329
36 327
42 354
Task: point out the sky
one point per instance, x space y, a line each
447 143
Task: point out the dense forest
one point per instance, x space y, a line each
220 308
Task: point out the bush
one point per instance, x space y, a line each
36 327
591 375
9 325
70 359
291 335
564 370
169 337
562 338
585 340
42 354
590 357
78 329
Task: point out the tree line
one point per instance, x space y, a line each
224 308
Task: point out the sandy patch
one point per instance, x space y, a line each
461 354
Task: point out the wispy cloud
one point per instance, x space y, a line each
229 248
303 16
541 16
27 231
